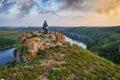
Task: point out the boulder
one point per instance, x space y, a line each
36 41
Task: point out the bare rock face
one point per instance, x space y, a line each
36 41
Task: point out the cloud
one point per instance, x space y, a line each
59 6
47 6
25 6
102 6
106 6
81 6
75 4
5 5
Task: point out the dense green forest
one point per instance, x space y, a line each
103 40
8 38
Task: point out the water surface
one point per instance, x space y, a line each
6 56
75 42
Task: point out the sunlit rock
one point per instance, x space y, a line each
36 41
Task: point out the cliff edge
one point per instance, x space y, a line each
36 41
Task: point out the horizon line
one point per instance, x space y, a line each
61 26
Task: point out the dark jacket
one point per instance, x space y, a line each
45 25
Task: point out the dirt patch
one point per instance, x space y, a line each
71 77
42 77
49 63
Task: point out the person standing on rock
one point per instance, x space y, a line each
45 27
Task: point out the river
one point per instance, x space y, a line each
75 42
7 55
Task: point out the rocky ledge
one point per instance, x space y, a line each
36 41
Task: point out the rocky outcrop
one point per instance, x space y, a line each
36 41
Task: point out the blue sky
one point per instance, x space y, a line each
60 12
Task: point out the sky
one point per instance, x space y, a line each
60 12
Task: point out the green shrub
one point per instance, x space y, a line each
29 76
41 52
68 44
23 48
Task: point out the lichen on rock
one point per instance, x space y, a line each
36 41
